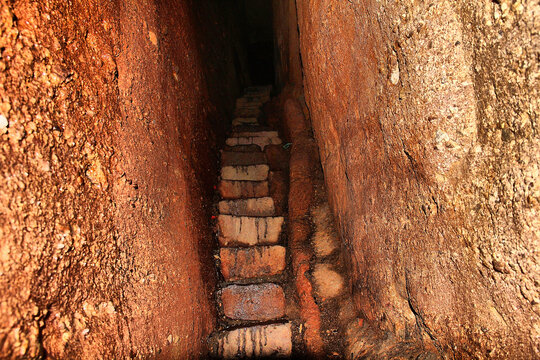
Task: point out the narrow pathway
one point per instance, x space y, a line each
251 299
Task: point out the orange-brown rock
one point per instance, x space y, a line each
429 148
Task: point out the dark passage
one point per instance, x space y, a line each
259 40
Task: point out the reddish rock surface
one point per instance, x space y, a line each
106 162
426 125
278 190
278 158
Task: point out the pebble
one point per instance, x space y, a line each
3 124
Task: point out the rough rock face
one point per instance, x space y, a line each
426 117
287 59
105 164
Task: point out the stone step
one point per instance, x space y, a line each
247 113
249 120
248 127
243 189
236 158
248 263
260 302
256 105
242 148
262 206
249 231
263 89
249 172
274 340
249 101
268 134
261 141
256 98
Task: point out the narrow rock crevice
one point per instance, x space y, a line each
319 179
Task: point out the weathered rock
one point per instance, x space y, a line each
277 157
248 231
261 302
325 238
328 283
263 206
258 341
242 189
279 190
107 161
245 173
426 122
253 262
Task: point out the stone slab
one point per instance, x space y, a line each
249 172
267 133
236 158
245 121
242 148
253 262
247 113
261 141
260 302
249 231
243 189
263 206
273 340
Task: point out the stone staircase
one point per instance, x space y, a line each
252 258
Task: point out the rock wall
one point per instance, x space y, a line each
426 118
287 47
106 162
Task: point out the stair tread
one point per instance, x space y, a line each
261 141
238 189
261 133
235 158
247 112
248 231
255 302
255 341
243 148
245 172
247 127
243 120
239 263
261 206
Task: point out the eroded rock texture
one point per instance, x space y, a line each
105 163
426 117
